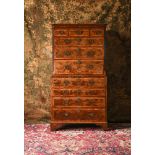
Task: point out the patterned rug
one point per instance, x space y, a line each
39 140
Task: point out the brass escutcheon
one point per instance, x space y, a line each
61 32
91 41
79 62
90 53
66 82
66 114
67 41
91 114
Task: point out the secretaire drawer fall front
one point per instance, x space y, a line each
78 41
79 53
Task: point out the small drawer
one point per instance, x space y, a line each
78 53
60 32
96 32
78 67
78 82
78 32
77 101
79 115
78 92
79 41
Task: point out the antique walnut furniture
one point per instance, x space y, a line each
79 82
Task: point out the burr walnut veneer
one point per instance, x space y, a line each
79 82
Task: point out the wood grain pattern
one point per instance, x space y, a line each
79 82
82 82
78 67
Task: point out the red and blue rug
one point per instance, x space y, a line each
39 140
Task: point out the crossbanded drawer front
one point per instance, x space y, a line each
78 32
77 101
78 92
79 115
96 32
78 53
78 82
61 32
78 67
59 41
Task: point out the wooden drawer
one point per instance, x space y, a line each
78 82
78 67
78 41
79 53
79 115
77 101
78 92
60 32
78 32
96 32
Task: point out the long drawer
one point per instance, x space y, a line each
78 67
78 92
79 115
67 41
78 82
78 101
79 53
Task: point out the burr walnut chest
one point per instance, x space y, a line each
79 82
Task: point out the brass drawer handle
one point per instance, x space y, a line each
65 92
91 41
90 101
91 82
61 32
66 82
90 53
66 102
90 66
66 114
78 40
91 114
